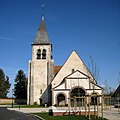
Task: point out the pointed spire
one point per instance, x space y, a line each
42 36
42 25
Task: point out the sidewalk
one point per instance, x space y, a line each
30 110
112 114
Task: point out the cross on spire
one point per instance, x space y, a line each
43 9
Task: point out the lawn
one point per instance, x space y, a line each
71 117
27 106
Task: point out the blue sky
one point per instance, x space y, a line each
91 27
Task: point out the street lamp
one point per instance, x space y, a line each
110 90
12 97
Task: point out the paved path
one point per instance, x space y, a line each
6 114
112 114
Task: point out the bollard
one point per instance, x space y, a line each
19 106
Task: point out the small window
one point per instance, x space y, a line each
44 54
39 54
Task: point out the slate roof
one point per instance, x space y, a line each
42 36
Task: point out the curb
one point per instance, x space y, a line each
40 118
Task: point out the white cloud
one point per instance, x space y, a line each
8 39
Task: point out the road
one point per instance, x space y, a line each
6 114
112 114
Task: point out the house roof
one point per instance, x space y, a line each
117 92
42 35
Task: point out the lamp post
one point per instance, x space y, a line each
110 90
12 97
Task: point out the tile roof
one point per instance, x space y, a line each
42 36
57 69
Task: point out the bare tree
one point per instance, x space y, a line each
106 88
94 69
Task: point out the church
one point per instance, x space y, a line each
54 85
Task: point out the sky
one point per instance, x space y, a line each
91 27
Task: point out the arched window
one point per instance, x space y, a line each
77 94
39 54
61 100
44 54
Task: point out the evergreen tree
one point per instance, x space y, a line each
20 89
4 84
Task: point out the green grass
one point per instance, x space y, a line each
46 116
27 106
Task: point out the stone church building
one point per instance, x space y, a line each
52 84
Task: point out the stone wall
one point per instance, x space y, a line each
4 101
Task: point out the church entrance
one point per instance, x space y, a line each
94 99
61 100
77 93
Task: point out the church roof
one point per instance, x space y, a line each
42 36
73 62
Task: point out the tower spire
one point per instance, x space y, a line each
42 35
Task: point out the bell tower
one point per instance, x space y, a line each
40 71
